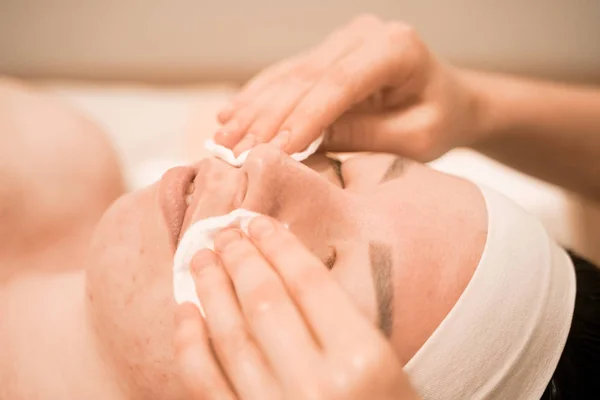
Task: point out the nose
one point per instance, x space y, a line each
217 188
283 188
293 194
211 174
265 169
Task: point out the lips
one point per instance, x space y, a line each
172 193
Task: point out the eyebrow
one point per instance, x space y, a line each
381 271
395 169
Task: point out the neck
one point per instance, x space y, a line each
52 345
51 253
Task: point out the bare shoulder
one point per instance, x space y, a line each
58 170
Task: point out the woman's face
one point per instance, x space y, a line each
401 239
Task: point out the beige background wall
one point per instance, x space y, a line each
201 39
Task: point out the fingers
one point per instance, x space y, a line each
290 81
254 86
299 80
236 128
335 45
404 132
349 81
234 116
268 122
198 369
355 64
274 277
274 320
392 59
322 302
238 355
262 119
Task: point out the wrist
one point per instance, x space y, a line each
485 118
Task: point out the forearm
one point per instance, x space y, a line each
550 131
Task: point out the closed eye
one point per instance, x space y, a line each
331 258
337 168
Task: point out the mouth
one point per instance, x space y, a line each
174 192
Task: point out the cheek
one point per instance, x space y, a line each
127 250
129 288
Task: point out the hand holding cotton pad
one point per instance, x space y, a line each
202 233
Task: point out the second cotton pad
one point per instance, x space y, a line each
201 235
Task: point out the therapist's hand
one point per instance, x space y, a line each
279 327
374 83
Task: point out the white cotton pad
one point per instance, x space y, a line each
200 236
227 155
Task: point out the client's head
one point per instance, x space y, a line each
402 240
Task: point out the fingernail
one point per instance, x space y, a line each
221 136
281 139
204 258
227 238
261 227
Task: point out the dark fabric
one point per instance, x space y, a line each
577 375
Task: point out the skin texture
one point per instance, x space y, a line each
376 87
105 302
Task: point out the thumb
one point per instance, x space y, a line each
362 132
403 133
